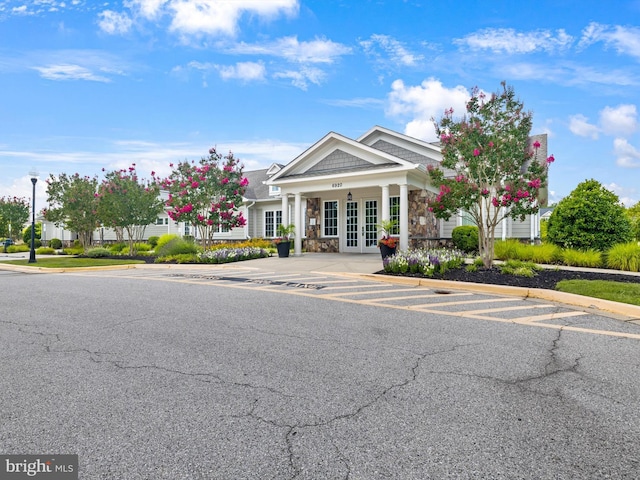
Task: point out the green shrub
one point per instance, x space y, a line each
99 252
176 246
18 248
153 241
164 239
591 217
73 251
624 256
519 268
546 253
465 238
142 247
45 251
581 258
118 247
55 243
26 233
506 249
179 258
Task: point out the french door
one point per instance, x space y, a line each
361 234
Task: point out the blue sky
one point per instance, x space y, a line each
86 85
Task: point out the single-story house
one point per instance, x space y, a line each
339 189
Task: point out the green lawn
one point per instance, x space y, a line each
615 291
71 262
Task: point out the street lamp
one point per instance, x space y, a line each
32 255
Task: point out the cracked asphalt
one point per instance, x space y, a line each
151 376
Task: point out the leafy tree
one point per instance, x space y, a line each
207 195
591 217
633 214
26 233
14 213
129 203
73 201
495 169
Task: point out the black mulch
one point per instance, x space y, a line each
547 278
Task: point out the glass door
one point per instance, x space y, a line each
370 229
352 238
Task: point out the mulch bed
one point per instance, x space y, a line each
547 278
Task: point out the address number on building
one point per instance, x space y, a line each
336 185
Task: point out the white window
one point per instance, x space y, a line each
330 222
274 191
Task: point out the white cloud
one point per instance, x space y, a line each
621 121
625 40
315 51
424 102
624 194
208 17
114 23
579 125
247 71
301 78
627 155
396 51
69 72
507 40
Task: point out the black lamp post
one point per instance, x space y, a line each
32 254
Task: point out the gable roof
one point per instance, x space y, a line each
335 154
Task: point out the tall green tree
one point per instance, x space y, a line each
590 217
633 214
73 202
207 195
129 203
14 213
489 167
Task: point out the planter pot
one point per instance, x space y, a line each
386 251
283 249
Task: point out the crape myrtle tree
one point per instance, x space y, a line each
489 167
14 213
129 203
73 202
207 195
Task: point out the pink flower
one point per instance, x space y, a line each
224 181
536 144
485 191
491 144
200 217
195 185
495 202
476 152
551 159
535 183
244 182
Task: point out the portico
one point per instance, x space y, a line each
342 189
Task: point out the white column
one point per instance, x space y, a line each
385 203
285 210
503 225
297 220
404 217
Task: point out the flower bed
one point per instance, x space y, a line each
423 262
226 255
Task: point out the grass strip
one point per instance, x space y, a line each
606 290
71 262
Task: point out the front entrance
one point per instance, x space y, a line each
361 233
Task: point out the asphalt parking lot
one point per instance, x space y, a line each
253 372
